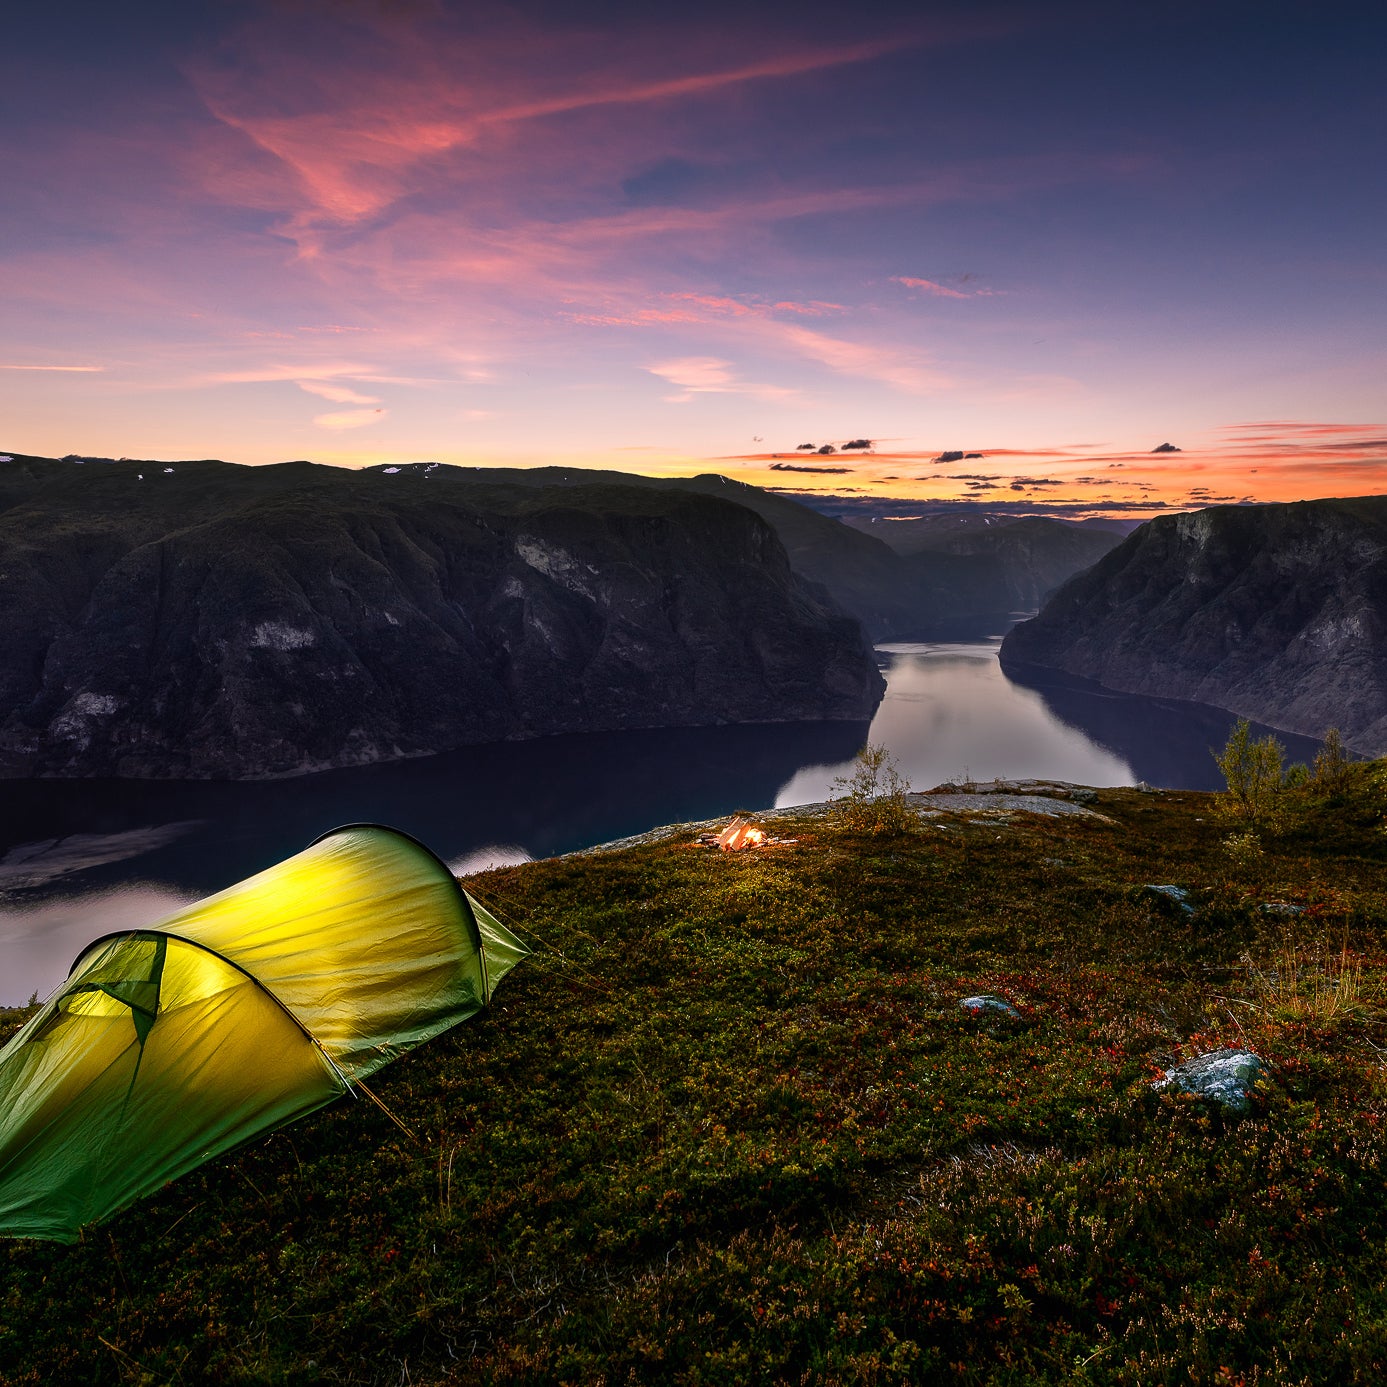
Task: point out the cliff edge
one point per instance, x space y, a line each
1277 612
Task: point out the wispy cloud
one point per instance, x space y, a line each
8 366
338 394
897 367
369 126
710 375
929 286
349 419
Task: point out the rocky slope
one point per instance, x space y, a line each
1277 612
1025 558
894 595
212 621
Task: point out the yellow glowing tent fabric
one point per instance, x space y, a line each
170 1045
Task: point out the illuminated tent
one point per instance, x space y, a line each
170 1045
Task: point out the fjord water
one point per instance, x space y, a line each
79 859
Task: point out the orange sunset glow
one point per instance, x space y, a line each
506 236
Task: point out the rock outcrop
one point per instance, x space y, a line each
205 620
1277 612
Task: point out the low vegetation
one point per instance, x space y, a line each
730 1124
875 796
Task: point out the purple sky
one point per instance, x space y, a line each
1056 235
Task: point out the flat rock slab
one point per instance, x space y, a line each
963 802
929 804
1225 1076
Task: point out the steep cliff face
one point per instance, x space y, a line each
1032 556
1277 612
1016 562
893 596
212 621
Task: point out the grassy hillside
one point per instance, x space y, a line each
730 1124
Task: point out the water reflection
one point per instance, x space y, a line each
70 849
80 858
950 713
40 938
1166 742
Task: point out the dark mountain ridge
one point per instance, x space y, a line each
205 620
1277 612
1029 556
894 596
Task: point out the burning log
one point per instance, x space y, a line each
740 833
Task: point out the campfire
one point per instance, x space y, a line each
739 834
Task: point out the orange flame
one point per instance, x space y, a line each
739 834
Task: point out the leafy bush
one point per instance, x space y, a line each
874 796
1244 850
1252 770
1332 766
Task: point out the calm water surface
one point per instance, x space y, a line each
79 859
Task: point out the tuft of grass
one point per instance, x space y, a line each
1304 983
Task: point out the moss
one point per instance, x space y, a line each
729 1124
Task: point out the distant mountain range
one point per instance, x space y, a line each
902 579
204 620
1028 556
1277 612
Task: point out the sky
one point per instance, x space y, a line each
674 240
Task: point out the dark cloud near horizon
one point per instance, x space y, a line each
804 467
842 507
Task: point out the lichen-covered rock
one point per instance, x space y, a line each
1176 895
1225 1076
985 1003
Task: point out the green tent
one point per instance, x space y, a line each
170 1045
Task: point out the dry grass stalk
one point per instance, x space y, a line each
1306 985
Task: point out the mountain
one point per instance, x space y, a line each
1026 557
205 620
1277 612
893 596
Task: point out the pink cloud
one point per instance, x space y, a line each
710 375
338 394
376 123
9 366
1279 428
740 308
349 418
930 287
695 372
897 367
